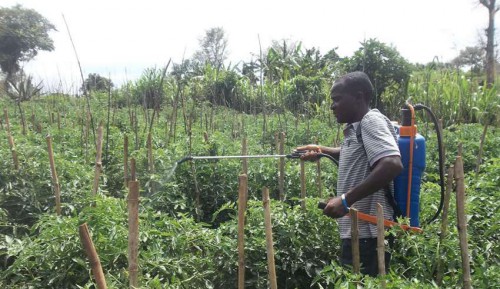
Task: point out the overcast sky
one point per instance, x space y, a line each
119 39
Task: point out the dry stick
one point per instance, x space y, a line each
87 96
55 179
58 120
318 178
281 180
125 160
133 231
302 185
269 239
95 263
380 243
7 122
354 240
98 161
462 221
242 204
13 151
244 152
444 224
151 165
132 170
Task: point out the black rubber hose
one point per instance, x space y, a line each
441 158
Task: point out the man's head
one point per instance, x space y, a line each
351 95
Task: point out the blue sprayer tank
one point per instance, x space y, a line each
405 132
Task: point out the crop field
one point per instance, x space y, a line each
188 211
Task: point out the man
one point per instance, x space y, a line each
369 160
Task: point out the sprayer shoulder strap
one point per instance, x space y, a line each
387 190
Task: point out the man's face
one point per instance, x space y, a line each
343 105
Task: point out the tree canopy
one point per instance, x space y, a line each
212 48
95 82
23 33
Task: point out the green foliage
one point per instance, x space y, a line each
189 244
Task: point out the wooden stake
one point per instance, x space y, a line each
95 263
318 178
444 223
133 232
15 160
242 204
302 185
151 164
462 221
281 180
55 179
244 152
269 239
125 160
98 161
318 174
381 244
7 122
354 240
132 170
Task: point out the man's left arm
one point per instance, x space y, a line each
384 171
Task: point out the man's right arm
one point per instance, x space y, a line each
313 150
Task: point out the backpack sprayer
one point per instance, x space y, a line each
412 147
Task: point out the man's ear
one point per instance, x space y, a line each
359 96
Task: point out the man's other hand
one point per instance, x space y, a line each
334 208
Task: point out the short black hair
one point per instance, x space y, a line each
353 83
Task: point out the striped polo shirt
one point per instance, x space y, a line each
356 159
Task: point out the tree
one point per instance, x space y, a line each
385 67
470 57
490 40
23 33
212 48
95 82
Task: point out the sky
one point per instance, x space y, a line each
118 39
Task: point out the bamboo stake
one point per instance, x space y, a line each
58 120
462 222
354 240
125 160
133 232
281 180
98 161
318 178
55 179
244 152
13 151
7 122
269 239
242 203
132 169
302 185
151 164
380 244
444 223
95 263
